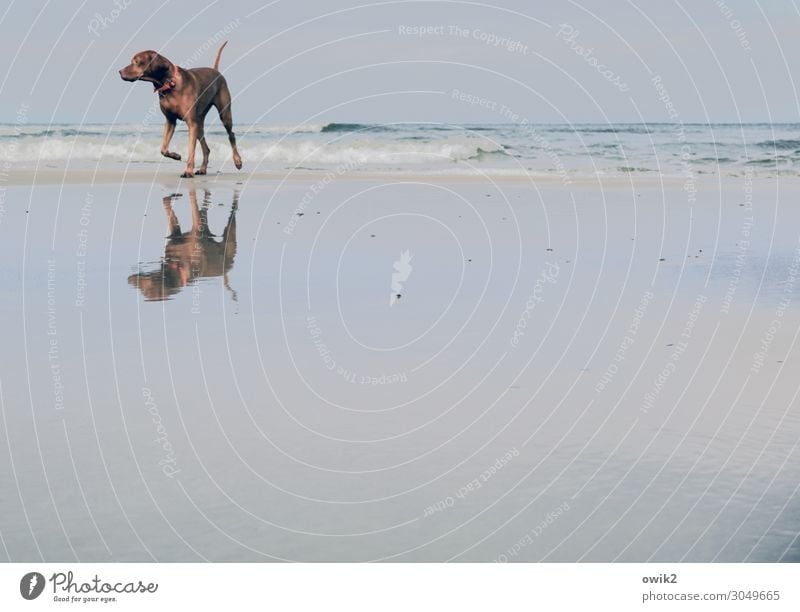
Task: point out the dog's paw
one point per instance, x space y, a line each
238 164
199 172
187 175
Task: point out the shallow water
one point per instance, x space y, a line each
544 388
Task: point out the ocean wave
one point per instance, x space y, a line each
21 132
50 133
713 160
781 145
303 128
393 147
593 129
375 151
770 161
64 149
360 152
403 127
352 127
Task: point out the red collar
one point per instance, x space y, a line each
168 85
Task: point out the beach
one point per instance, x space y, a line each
339 364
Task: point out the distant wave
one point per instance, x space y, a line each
65 132
781 145
111 132
770 161
401 127
349 127
591 129
713 160
303 128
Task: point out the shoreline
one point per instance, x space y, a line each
52 176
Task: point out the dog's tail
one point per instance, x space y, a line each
219 54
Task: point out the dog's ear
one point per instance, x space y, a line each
158 66
165 65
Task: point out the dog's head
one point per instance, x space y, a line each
160 284
147 66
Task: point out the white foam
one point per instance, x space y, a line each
289 151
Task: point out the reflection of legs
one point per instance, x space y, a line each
204 228
173 226
229 240
196 254
197 219
229 234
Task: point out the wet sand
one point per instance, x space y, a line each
600 371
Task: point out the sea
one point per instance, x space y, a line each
560 150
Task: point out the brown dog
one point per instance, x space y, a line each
187 95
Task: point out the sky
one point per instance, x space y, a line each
292 62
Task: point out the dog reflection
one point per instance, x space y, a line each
192 255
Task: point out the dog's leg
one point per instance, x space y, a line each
223 104
169 130
189 171
206 151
